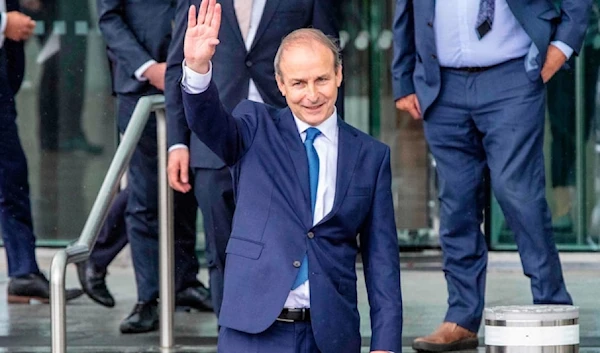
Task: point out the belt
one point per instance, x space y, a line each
293 315
476 69
472 69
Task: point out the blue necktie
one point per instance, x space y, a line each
313 175
485 17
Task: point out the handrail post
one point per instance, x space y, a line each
166 248
58 311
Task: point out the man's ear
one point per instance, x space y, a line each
280 84
338 76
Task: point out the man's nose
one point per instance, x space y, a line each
312 93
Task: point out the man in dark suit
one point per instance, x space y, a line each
475 74
27 283
290 279
243 69
137 34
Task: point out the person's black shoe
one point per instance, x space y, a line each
143 318
32 288
79 143
94 284
197 297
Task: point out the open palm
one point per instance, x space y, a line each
201 36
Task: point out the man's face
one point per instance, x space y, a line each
309 81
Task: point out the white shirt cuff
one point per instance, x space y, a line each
178 146
3 22
193 82
139 72
567 50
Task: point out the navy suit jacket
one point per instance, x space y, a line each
234 66
135 31
416 70
273 218
15 56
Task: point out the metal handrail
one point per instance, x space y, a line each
81 249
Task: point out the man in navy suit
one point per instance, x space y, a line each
26 280
243 69
475 74
138 34
306 185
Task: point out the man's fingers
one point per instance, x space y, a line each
216 20
202 12
184 172
192 17
210 12
417 105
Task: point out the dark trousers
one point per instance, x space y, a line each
492 119
141 215
281 337
113 235
15 208
561 111
214 194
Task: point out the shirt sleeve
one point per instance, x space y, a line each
567 50
177 146
193 82
140 71
2 27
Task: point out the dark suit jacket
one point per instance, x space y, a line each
233 66
135 31
15 56
273 217
415 68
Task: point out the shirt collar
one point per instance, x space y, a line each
328 128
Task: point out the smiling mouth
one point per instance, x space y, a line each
316 107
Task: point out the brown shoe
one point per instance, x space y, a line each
448 337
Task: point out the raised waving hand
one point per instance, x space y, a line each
202 35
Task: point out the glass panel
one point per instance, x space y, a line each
65 116
572 150
369 105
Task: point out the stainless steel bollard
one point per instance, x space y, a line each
532 329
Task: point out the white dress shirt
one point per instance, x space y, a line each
457 43
326 145
3 21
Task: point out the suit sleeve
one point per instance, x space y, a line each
118 36
177 128
403 63
379 249
228 135
573 23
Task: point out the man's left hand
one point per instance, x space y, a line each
555 59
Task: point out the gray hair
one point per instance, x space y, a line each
308 36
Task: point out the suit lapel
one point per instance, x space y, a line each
348 150
228 12
270 8
291 137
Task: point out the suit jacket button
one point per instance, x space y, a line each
248 63
296 264
311 235
430 24
433 56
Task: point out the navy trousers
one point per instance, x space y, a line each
493 118
214 194
16 225
113 235
141 215
281 337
